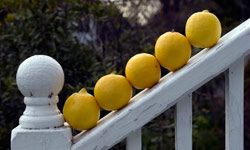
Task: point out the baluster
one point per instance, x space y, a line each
183 123
40 78
133 141
234 83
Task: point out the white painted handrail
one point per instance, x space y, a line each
151 102
173 89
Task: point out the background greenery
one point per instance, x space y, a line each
91 38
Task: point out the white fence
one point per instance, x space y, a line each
41 125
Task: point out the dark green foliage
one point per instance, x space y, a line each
209 116
31 27
159 133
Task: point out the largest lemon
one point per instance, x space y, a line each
113 91
143 71
81 111
172 50
203 29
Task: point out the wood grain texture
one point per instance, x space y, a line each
234 90
151 102
183 123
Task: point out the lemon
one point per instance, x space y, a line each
203 29
113 91
172 50
143 71
81 110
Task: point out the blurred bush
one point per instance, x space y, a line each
90 38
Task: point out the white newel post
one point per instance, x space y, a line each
41 127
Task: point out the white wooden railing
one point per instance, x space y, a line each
40 78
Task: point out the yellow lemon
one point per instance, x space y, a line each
203 29
113 91
143 71
81 110
172 50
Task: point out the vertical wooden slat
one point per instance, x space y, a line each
183 123
133 141
234 86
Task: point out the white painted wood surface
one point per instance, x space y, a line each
41 139
183 123
40 78
133 141
151 102
234 101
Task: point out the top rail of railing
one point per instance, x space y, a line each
151 102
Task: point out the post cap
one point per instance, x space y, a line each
40 76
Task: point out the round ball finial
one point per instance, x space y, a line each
40 76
